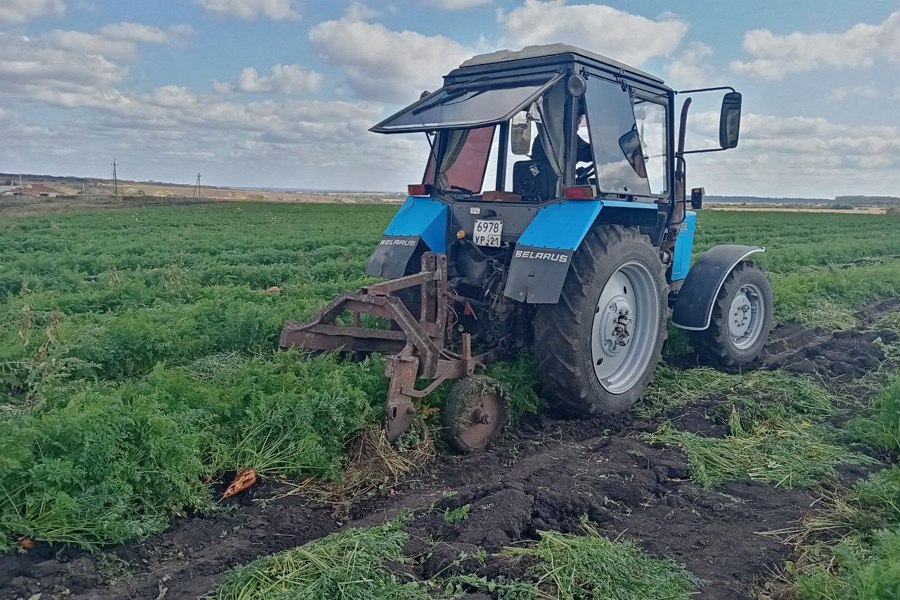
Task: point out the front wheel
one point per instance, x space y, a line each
598 347
741 321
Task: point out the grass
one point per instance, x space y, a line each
137 362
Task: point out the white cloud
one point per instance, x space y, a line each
623 36
793 156
116 41
19 11
250 10
393 66
775 56
457 4
859 91
690 67
286 79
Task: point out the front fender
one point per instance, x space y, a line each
694 307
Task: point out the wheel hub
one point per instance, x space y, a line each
625 327
616 328
739 316
746 315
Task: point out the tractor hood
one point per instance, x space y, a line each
469 104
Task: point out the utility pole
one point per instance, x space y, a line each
197 188
115 179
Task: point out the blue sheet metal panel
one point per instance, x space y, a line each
563 225
684 245
424 217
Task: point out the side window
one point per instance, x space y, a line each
618 156
651 126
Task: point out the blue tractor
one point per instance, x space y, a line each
552 215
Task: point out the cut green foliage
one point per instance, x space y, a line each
516 377
857 571
348 565
852 544
456 515
591 566
784 453
881 430
765 394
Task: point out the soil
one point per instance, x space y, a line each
545 475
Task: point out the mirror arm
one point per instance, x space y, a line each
704 150
709 89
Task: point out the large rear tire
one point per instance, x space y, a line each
598 347
740 324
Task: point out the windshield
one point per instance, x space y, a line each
466 105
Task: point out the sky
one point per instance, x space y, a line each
281 93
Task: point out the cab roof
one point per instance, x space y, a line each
550 54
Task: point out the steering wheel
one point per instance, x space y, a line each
583 174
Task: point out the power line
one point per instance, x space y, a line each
197 188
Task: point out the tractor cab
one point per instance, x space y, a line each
525 126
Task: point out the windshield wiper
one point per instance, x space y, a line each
460 188
447 97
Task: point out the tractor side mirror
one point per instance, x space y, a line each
730 120
520 134
697 198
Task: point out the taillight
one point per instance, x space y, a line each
419 189
578 192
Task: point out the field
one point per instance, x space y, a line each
137 376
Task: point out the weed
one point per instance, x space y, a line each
456 515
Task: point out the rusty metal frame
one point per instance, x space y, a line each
416 351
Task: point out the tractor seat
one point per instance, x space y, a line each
534 180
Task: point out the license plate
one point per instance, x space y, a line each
487 232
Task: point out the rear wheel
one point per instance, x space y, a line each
598 347
741 321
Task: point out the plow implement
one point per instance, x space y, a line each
415 345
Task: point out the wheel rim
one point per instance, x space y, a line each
746 316
625 327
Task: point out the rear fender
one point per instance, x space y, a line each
543 253
419 223
693 309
